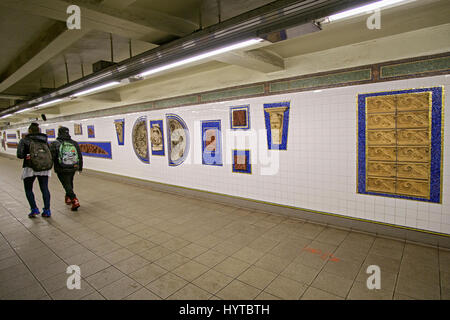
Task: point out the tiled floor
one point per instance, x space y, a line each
136 243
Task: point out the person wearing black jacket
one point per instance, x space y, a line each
29 175
65 175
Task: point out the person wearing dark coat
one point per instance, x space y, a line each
65 174
29 175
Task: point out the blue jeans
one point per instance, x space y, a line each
43 184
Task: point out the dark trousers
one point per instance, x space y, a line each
43 184
66 179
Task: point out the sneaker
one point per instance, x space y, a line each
33 213
46 213
75 204
67 200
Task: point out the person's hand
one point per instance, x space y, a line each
28 157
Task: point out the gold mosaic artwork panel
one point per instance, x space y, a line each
382 169
413 101
381 121
381 104
383 185
382 138
413 119
398 144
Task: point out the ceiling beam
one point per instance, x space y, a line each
136 24
259 60
49 44
6 96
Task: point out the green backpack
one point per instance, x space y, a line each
68 155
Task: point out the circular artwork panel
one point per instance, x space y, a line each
140 139
178 139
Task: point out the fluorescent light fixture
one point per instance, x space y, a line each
23 110
103 86
5 116
48 103
366 8
201 56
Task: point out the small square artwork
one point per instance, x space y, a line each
240 117
78 129
119 124
91 131
157 137
50 133
211 143
241 161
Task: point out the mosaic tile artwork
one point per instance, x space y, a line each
211 143
241 161
119 125
140 139
96 149
77 129
11 136
157 137
91 131
177 139
400 144
277 124
12 145
240 117
50 133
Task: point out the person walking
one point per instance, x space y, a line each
67 159
37 162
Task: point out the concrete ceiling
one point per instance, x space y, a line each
34 56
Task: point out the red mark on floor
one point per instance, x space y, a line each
323 255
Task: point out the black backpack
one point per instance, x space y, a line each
40 156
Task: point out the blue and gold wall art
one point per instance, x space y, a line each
50 133
277 124
119 125
240 117
77 129
211 143
241 161
91 131
12 145
157 137
96 149
400 144
177 139
11 136
140 139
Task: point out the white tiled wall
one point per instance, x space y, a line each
317 171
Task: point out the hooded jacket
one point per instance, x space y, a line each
23 149
63 135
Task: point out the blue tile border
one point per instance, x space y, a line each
283 145
436 143
173 163
103 145
157 152
93 131
213 158
123 131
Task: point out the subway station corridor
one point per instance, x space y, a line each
132 242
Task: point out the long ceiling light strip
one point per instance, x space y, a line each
97 88
238 45
48 103
366 8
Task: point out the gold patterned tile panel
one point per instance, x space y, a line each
408 137
381 121
384 185
382 153
382 137
413 188
413 119
413 154
381 104
381 169
413 101
413 171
